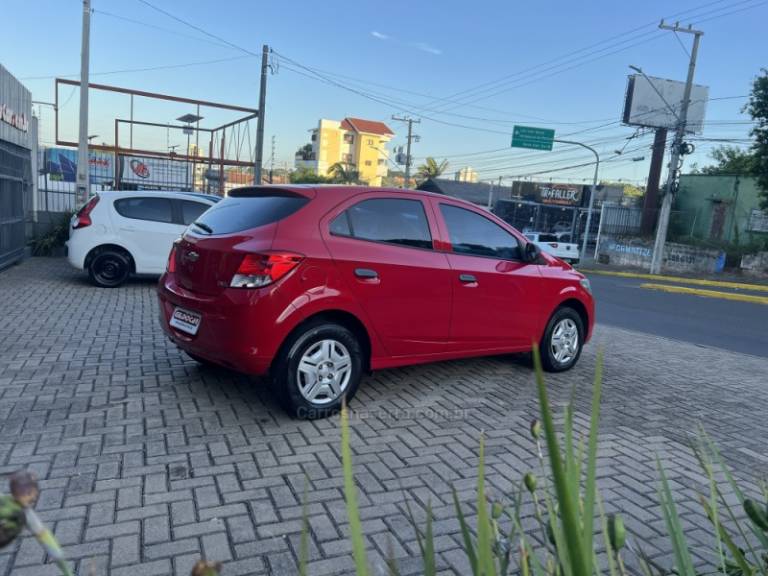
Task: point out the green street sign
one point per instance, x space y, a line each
533 138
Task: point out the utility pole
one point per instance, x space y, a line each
259 155
674 163
272 160
411 122
83 166
652 187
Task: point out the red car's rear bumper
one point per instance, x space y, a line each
237 329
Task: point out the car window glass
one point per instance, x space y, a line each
190 211
152 209
243 212
392 220
547 238
340 225
471 233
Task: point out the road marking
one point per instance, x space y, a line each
707 293
680 280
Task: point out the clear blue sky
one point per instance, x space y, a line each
413 53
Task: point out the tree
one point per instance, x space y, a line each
431 169
306 176
729 160
344 173
758 109
305 152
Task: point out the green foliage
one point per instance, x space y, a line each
431 169
11 520
758 109
344 173
730 161
566 504
55 237
307 176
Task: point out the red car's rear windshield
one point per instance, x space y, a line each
242 211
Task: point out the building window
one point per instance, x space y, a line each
368 163
381 162
349 138
370 141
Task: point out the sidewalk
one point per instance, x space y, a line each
726 279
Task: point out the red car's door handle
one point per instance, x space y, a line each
366 273
467 279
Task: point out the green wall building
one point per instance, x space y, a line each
720 209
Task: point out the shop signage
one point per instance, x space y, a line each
10 116
564 194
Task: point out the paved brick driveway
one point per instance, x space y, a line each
149 461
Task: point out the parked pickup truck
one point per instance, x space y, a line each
551 243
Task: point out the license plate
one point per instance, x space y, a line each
186 320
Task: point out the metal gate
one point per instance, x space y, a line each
15 186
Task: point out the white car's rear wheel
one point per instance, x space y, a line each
109 268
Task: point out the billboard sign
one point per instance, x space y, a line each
60 164
155 173
657 102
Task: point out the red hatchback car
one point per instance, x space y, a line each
317 285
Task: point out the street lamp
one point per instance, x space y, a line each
188 120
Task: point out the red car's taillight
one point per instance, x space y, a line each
84 214
171 267
257 270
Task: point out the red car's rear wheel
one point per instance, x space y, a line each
319 367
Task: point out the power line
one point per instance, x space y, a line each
492 85
156 27
198 28
147 69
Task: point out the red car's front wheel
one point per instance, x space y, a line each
563 340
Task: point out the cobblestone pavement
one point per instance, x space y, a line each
148 461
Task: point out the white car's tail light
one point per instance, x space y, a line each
84 214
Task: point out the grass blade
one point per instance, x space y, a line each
430 566
722 534
304 543
683 561
485 560
565 496
591 484
469 548
350 495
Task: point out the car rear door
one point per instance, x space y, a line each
147 223
382 245
495 294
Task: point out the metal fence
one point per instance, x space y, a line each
15 187
568 221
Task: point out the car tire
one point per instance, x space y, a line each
318 368
109 268
563 340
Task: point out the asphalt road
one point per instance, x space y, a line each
730 325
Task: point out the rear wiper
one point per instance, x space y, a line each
203 226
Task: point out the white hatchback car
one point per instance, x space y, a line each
117 234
